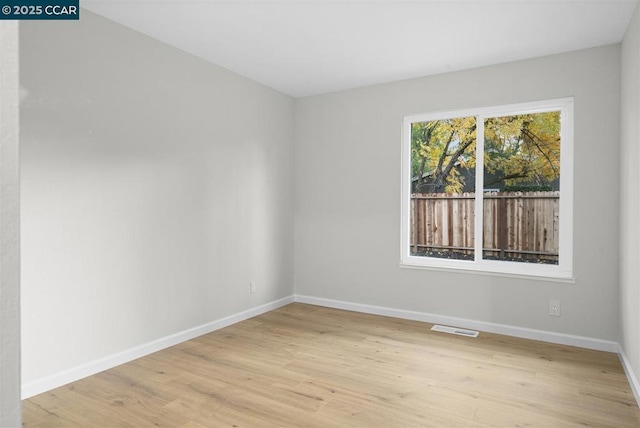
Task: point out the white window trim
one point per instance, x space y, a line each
563 271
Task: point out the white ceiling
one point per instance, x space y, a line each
309 47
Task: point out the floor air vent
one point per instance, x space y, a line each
454 330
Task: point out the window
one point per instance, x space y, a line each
490 189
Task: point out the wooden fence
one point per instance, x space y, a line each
517 225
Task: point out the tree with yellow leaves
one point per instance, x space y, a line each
518 149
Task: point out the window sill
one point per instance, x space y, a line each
476 271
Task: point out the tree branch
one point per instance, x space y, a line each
522 174
534 139
455 157
444 153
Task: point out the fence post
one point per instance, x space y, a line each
502 221
414 226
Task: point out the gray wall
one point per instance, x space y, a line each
630 195
10 414
155 187
347 207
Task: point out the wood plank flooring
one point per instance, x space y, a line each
308 366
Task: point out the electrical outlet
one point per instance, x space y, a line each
252 288
554 308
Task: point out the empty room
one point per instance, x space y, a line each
320 213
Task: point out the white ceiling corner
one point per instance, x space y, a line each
310 47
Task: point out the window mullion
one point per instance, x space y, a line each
479 202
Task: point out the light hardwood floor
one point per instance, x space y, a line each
308 366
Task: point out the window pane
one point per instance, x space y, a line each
443 188
522 188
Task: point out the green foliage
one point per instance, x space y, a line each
528 188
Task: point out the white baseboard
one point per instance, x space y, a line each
59 379
633 380
526 333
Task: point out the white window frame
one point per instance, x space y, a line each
563 271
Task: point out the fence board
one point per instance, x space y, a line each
517 225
